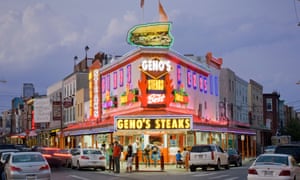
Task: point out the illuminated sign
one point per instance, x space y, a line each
151 35
152 122
155 67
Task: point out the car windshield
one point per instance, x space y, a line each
4 156
201 149
22 158
91 152
231 152
272 159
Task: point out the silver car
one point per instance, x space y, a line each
27 165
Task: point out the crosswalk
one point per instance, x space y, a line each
215 176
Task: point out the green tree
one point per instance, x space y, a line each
293 129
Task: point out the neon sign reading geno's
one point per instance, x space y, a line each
152 123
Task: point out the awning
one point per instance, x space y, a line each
89 131
198 127
32 133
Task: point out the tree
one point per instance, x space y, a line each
292 129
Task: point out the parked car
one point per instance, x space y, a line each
88 158
7 146
27 165
3 156
269 149
65 156
234 157
209 155
49 154
292 149
274 166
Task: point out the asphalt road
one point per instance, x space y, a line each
234 173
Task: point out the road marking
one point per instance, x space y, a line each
233 178
204 174
220 176
78 177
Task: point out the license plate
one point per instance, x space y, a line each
268 173
30 177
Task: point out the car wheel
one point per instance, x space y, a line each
218 166
192 168
241 164
102 168
204 168
236 164
78 165
72 165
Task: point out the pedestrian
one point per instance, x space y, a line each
147 155
155 155
134 149
116 156
110 157
128 159
184 157
178 159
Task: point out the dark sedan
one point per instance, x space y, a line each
234 157
49 154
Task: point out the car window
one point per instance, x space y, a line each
27 158
91 152
273 159
201 149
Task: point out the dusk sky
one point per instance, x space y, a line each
257 39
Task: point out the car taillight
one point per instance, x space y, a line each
285 173
14 168
212 155
252 171
47 155
45 167
101 157
84 157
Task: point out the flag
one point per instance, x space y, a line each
162 14
142 3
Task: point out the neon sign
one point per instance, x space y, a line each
153 122
151 35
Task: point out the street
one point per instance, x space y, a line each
233 173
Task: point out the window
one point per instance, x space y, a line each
269 104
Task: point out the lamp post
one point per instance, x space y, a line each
86 50
75 59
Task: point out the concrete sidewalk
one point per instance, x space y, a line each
170 168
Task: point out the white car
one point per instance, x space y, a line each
208 155
88 158
274 166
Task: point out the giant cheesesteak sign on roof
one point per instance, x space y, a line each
151 35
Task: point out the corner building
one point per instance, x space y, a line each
154 95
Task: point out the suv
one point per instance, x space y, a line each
292 149
205 156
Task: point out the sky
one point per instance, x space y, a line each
257 39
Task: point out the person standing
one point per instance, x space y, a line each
178 159
116 156
129 158
184 157
147 155
155 155
110 157
134 149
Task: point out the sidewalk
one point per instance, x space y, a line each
170 168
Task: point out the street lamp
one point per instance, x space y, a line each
299 80
86 50
75 59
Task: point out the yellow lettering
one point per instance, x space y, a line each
157 124
148 123
187 123
154 84
174 124
120 124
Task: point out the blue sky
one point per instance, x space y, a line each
257 39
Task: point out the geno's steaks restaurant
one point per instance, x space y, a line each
154 95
